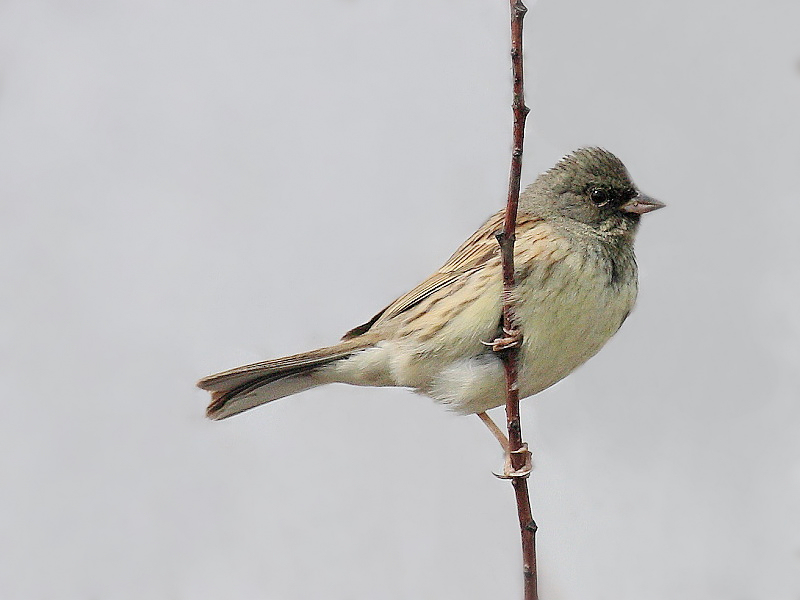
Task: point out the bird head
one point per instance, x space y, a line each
591 186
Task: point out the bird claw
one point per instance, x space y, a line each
512 338
509 472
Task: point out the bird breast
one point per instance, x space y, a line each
568 310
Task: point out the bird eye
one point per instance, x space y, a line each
599 196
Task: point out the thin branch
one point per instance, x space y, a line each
508 347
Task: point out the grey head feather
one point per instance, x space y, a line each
567 197
564 192
588 164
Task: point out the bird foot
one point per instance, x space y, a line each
509 472
512 338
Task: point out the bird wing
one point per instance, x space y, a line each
473 255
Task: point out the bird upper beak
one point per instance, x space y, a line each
640 204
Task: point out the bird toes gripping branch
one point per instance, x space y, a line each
509 471
511 338
524 456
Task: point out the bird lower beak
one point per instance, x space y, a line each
640 204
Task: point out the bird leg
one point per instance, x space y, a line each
496 431
509 472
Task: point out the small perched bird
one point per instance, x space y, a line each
576 284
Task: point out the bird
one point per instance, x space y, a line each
576 283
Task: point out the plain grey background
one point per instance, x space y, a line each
188 186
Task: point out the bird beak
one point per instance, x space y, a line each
640 204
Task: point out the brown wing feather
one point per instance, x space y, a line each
471 256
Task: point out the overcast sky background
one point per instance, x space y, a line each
186 186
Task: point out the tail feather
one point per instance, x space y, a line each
243 388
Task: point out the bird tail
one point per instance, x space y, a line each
243 388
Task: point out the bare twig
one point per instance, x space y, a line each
508 346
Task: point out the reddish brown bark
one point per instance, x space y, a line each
513 336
